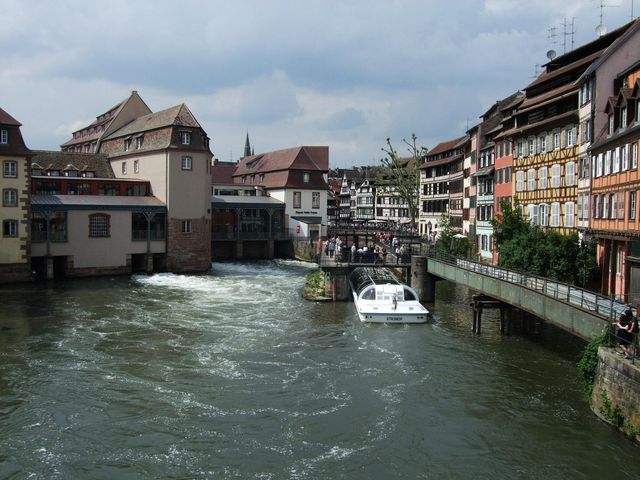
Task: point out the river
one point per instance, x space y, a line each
233 375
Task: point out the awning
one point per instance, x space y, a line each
483 171
309 220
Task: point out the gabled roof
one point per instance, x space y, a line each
222 172
299 158
92 162
625 33
6 119
178 115
446 146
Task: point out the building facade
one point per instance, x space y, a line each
15 254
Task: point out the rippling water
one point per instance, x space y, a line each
234 375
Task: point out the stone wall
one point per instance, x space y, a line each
616 392
15 272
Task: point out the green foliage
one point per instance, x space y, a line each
448 244
588 363
401 174
315 284
530 249
611 413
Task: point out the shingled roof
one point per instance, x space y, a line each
6 119
83 162
299 158
179 115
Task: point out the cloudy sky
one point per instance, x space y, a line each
346 73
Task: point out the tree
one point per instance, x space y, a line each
449 242
528 248
401 174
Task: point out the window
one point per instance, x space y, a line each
542 178
185 138
305 177
4 136
532 146
533 214
244 180
632 205
607 163
124 168
186 163
261 178
520 149
297 199
634 155
186 226
542 143
570 174
570 137
139 142
531 179
604 208
569 214
127 144
543 215
620 205
596 206
10 228
136 166
555 214
10 169
315 200
555 176
623 117
556 140
99 225
519 181
616 160
610 125
9 197
624 157
585 207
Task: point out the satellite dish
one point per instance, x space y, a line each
601 30
551 54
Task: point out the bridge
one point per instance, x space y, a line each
580 312
576 310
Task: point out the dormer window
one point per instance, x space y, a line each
185 138
262 178
623 117
139 141
88 174
4 136
305 177
610 131
127 144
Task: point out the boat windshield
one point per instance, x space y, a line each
365 276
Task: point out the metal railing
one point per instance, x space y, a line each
605 307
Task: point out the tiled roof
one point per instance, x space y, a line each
304 158
547 96
6 119
178 115
93 162
445 146
222 173
546 76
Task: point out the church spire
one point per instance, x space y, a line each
247 147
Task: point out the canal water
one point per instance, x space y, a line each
233 375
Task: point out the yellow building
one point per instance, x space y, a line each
14 211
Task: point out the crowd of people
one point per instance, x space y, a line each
335 247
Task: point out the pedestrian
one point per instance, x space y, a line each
397 252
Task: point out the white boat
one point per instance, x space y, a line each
380 298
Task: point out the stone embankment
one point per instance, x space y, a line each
616 392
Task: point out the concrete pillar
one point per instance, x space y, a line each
149 263
50 268
270 248
422 281
239 250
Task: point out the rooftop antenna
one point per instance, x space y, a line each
632 15
601 29
552 35
565 34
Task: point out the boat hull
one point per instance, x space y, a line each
377 313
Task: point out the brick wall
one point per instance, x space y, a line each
189 252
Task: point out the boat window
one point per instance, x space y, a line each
409 295
369 294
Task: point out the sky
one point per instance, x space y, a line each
348 74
